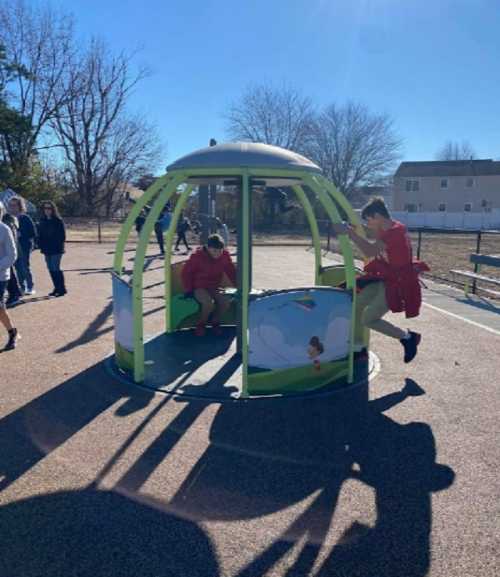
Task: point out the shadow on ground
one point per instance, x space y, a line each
91 533
264 456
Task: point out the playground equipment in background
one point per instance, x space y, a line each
292 340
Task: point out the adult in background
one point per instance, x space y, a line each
139 221
161 225
14 290
8 255
26 241
182 227
223 230
51 239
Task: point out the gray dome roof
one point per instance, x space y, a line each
244 154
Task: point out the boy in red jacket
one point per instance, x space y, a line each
202 278
391 277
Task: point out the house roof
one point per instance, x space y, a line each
483 167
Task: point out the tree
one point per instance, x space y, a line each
277 116
145 180
14 127
353 146
105 147
40 42
456 151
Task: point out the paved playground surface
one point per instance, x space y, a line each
101 478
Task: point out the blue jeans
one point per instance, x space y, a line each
53 262
23 268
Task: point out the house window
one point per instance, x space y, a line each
409 207
467 206
442 207
412 186
485 205
444 183
469 183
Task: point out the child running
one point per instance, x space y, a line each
391 277
202 277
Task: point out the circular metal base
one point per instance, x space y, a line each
210 369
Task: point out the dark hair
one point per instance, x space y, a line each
215 241
21 203
317 344
375 205
55 212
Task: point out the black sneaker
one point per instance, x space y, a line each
13 338
12 302
411 345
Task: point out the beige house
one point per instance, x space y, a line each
447 186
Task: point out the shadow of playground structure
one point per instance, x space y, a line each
263 457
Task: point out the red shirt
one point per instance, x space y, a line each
398 271
203 271
397 245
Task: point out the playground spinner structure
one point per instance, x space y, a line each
289 340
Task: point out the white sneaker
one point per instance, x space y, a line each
30 292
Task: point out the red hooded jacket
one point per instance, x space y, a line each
399 271
203 271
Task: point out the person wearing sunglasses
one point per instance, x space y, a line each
51 240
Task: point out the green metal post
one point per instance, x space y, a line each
138 272
342 201
350 270
245 278
169 240
313 224
127 226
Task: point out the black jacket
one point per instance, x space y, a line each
51 236
27 232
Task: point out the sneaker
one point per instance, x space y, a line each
217 329
14 336
13 302
31 291
200 330
410 346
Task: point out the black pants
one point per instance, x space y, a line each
181 237
159 238
13 287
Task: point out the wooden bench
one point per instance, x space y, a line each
479 260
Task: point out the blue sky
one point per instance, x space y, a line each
432 65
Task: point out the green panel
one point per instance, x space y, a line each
169 240
181 309
124 358
332 276
296 380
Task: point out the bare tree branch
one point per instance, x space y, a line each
278 116
105 147
456 151
353 146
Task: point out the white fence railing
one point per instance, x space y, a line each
451 220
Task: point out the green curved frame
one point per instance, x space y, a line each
165 187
